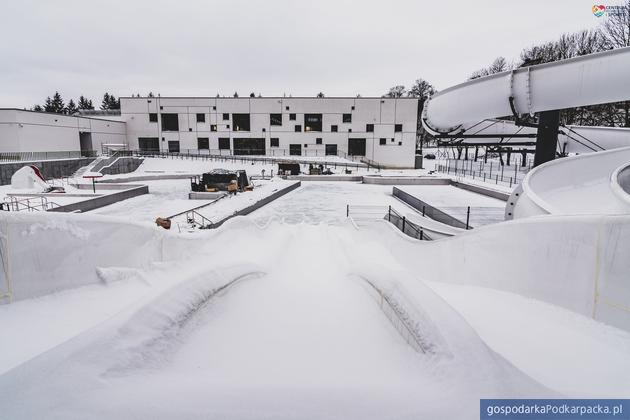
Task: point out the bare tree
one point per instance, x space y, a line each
498 65
616 27
422 90
396 92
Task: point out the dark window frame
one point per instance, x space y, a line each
275 119
369 128
346 118
170 122
223 142
298 128
334 128
313 122
382 141
226 117
201 118
153 117
274 142
241 122
292 117
203 143
398 128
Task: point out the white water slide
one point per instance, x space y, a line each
595 183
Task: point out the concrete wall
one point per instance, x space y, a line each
49 168
130 191
384 113
29 131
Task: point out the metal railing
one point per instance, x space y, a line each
13 203
36 156
366 213
486 172
220 157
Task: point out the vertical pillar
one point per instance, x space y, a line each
547 137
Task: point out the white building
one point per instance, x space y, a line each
382 130
378 129
30 131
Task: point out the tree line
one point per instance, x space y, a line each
57 105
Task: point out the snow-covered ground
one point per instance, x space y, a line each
278 315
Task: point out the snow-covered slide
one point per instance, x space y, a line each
594 183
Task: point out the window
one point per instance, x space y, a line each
240 122
369 128
398 128
298 128
347 118
226 117
349 130
275 142
227 126
153 117
213 127
173 146
295 149
201 118
382 141
224 143
214 108
305 145
352 107
333 128
287 108
275 119
170 122
291 116
400 143
356 147
312 122
203 143
331 150
318 141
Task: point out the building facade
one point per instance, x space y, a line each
379 129
30 131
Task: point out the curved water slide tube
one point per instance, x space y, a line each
594 183
586 80
585 184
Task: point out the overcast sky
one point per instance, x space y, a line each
272 47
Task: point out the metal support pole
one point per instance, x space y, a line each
403 224
547 137
467 217
347 210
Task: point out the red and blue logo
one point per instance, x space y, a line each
599 10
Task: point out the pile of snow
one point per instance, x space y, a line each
28 178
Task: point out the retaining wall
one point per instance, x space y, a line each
49 168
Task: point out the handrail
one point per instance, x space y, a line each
251 158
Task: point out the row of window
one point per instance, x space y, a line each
241 122
203 143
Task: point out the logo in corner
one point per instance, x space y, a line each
599 10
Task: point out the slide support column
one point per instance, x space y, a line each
547 137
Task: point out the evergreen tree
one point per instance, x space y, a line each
236 94
37 108
85 103
57 104
113 102
71 108
320 95
252 95
106 102
48 105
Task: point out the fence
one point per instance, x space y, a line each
428 210
363 214
198 155
36 156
